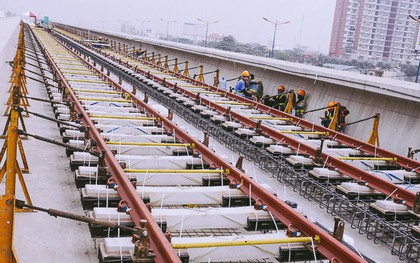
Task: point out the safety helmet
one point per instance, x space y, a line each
331 105
281 87
245 73
301 92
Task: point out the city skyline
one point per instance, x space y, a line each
311 21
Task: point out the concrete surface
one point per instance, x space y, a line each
397 101
39 237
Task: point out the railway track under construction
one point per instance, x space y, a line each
135 167
371 188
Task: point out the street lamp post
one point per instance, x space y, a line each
275 30
417 19
167 26
142 25
207 28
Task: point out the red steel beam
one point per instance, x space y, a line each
160 245
328 246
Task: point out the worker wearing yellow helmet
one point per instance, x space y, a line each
241 87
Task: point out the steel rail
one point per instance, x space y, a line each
328 246
159 243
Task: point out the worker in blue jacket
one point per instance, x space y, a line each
242 86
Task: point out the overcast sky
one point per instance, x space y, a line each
310 20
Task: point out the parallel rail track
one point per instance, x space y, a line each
105 106
395 233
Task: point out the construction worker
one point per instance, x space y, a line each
300 104
253 87
343 112
341 116
266 100
328 115
279 100
242 86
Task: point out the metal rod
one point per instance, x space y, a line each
194 67
209 72
41 68
97 154
44 100
179 63
318 109
187 171
372 117
58 213
79 127
228 80
43 76
229 243
35 59
40 81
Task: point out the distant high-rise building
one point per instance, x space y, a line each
375 29
129 29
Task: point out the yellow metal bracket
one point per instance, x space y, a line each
290 103
333 124
176 70
374 135
216 78
159 61
201 74
186 72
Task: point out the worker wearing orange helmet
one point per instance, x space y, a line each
300 103
280 98
241 87
329 115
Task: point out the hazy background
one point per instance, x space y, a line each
310 20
